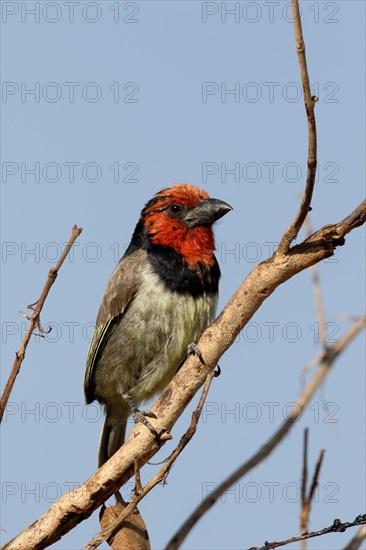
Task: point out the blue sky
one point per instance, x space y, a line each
103 104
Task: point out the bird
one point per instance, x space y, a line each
159 299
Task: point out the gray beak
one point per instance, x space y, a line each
206 212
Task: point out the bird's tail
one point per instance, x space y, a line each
112 437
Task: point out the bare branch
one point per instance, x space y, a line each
321 373
319 306
35 320
76 506
293 230
356 541
304 483
337 232
336 527
304 480
161 475
314 483
306 500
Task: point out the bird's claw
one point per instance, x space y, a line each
193 349
140 416
149 414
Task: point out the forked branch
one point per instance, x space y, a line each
293 230
34 320
302 401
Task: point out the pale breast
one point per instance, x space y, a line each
149 342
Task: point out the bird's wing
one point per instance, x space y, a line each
121 289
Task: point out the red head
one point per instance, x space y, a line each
181 218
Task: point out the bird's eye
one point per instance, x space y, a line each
175 208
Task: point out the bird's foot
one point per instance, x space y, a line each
193 349
140 416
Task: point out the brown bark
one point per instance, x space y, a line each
74 507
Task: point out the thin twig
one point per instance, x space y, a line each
306 500
323 370
161 475
319 306
356 540
314 483
304 481
336 527
35 320
293 230
309 366
336 232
